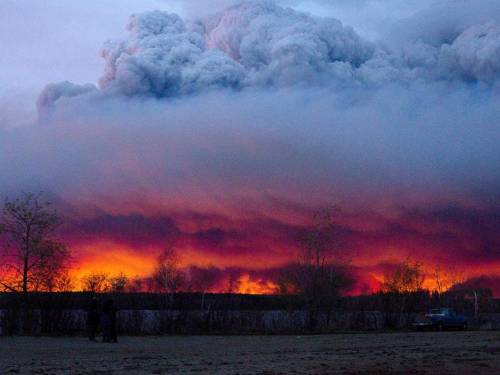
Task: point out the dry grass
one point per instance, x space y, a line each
397 353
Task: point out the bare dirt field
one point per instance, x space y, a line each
389 353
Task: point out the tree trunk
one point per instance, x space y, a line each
476 304
25 275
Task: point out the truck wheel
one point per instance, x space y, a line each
440 326
465 326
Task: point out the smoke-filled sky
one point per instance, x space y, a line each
224 125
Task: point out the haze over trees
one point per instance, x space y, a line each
34 260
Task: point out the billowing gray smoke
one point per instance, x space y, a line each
254 43
260 99
54 91
473 56
260 44
261 114
251 44
163 58
280 46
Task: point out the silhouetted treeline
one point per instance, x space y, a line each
399 309
183 313
385 302
34 264
156 301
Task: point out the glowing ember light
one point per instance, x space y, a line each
248 286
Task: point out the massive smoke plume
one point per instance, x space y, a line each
233 128
260 44
251 44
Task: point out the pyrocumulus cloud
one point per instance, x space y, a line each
262 103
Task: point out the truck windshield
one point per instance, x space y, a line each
436 311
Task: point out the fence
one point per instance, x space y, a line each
157 314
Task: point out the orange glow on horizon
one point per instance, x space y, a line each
248 286
113 259
191 257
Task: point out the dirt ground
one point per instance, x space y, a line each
388 353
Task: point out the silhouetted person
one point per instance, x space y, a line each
108 322
92 319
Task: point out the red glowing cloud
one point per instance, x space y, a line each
227 158
252 250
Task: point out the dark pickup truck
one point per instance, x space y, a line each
440 319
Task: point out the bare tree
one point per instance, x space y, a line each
135 285
202 280
33 259
232 283
446 277
119 283
404 285
470 290
96 283
65 283
408 277
168 276
319 274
